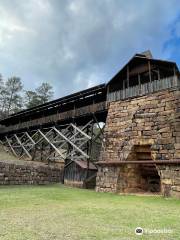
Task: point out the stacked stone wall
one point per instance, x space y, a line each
13 173
152 120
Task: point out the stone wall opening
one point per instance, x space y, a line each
149 177
139 177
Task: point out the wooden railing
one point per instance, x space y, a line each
144 89
93 108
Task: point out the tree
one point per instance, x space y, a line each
31 99
45 92
41 95
2 95
12 97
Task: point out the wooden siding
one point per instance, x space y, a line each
143 89
76 173
77 112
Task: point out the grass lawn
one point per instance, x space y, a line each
58 212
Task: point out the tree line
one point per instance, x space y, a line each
14 98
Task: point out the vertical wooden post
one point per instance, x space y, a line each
107 90
88 152
149 66
124 84
174 71
123 94
175 83
158 74
150 77
42 150
127 76
139 83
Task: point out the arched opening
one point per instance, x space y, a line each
149 177
141 175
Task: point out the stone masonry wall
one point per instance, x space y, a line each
13 173
152 120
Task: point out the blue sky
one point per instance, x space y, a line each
75 44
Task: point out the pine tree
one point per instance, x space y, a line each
41 95
12 95
45 92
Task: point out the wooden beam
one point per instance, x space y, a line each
124 81
158 162
69 141
4 146
30 138
79 130
20 143
149 67
55 148
76 133
127 76
33 146
11 147
174 71
158 71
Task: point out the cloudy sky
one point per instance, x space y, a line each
75 44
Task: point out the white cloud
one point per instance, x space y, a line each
87 79
10 26
75 44
76 6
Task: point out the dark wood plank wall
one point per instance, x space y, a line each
54 118
143 89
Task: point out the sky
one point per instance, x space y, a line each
76 44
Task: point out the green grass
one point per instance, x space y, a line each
57 212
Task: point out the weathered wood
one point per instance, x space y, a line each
149 67
142 89
30 138
21 144
127 76
79 130
116 163
12 149
71 143
57 150
39 140
81 111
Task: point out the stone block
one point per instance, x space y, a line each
177 146
176 188
177 154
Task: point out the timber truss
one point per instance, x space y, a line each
58 143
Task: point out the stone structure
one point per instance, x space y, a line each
142 144
141 141
22 172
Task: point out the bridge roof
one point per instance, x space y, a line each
56 103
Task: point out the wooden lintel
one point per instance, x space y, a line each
116 163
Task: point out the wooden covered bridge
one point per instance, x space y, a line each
100 125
